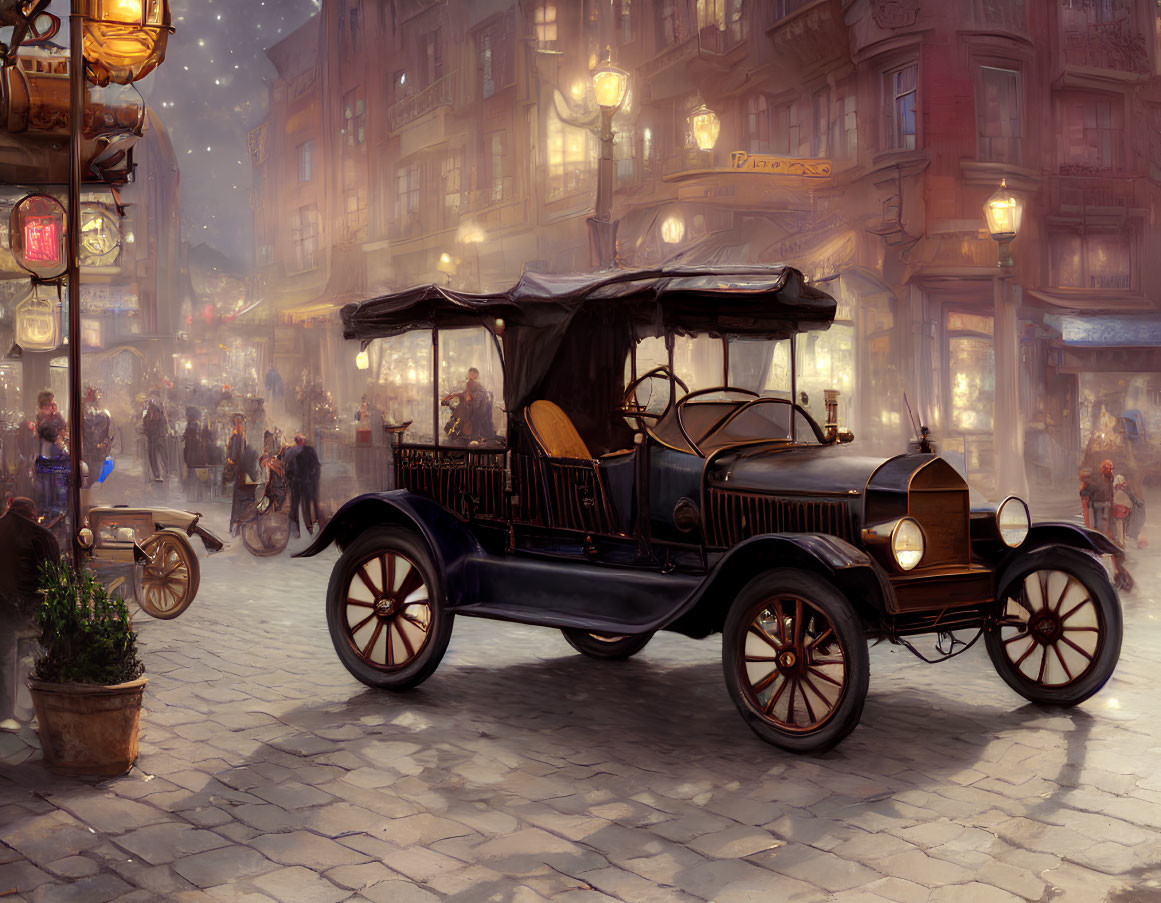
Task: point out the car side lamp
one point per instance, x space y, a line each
831 430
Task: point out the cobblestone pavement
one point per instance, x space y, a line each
522 771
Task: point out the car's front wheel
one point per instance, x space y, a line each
386 616
795 661
604 645
1057 634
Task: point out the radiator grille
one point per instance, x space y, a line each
735 516
944 519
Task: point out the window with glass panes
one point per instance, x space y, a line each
304 233
1091 260
407 192
998 115
1092 132
354 117
820 134
971 371
757 125
544 24
569 158
305 154
451 170
899 90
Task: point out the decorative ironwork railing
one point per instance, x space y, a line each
441 93
470 483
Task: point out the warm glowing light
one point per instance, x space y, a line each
706 127
37 229
1113 703
609 85
124 40
363 360
1004 211
672 229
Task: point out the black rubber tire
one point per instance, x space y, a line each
1106 608
369 546
599 645
828 603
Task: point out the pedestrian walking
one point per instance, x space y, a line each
24 547
302 472
155 427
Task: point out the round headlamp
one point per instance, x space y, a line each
907 544
1013 521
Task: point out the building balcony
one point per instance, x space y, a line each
810 36
440 93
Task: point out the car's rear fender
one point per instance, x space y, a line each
851 571
447 538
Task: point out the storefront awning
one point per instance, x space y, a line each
1109 331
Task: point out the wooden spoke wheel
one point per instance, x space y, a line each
1056 636
167 583
387 619
606 646
795 661
266 534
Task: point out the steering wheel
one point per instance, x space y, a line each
681 410
630 407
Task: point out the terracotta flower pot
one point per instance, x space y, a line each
86 729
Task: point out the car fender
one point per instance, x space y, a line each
1058 533
849 569
447 538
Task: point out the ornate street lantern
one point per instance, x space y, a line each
362 360
124 40
1004 211
706 126
610 85
37 235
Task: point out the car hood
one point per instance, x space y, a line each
793 470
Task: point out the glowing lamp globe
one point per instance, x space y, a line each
610 85
1004 211
362 360
124 40
706 127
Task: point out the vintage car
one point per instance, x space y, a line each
148 551
717 510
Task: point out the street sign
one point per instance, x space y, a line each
811 167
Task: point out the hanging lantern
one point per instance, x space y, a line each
706 126
38 324
124 40
1003 211
362 360
37 235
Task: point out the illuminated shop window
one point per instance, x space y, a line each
971 371
571 152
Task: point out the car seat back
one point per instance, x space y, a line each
554 431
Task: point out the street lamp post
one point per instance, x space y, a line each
610 85
121 40
1004 212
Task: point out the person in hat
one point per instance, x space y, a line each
24 547
155 427
302 472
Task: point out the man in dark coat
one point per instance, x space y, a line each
302 472
24 546
155 426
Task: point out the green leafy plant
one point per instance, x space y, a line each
85 633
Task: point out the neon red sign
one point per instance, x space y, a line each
42 239
37 230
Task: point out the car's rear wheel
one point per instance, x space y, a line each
1057 635
166 583
604 645
385 610
795 661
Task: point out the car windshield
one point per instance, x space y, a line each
718 419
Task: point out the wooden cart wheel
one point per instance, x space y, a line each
795 661
167 583
1057 635
387 619
266 534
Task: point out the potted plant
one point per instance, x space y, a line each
87 685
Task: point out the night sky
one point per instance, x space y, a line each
210 91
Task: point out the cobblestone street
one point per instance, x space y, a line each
523 771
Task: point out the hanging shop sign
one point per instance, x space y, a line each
37 234
38 324
100 237
811 167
